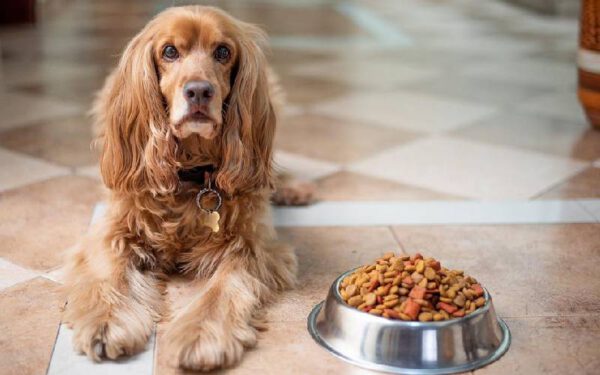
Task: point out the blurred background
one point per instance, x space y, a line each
399 101
386 99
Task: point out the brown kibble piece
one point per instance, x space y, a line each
355 301
459 300
429 273
370 299
425 317
351 290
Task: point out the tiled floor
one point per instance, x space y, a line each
403 113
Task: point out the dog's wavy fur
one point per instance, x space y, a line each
115 276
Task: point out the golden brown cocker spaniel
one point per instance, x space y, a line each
190 106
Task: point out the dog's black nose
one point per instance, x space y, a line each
198 92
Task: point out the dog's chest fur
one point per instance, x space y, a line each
172 237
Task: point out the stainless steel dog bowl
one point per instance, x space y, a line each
402 347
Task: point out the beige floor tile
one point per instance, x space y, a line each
278 352
80 92
20 73
311 90
537 73
583 185
537 133
562 105
405 110
92 171
18 170
488 45
302 167
470 169
550 345
349 186
308 21
530 270
335 140
478 91
21 109
64 141
38 222
29 323
367 73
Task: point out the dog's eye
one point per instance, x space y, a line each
222 54
170 53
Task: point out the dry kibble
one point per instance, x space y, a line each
351 290
370 299
426 317
430 273
355 301
459 300
388 255
416 276
412 288
451 293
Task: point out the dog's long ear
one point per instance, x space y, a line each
138 149
249 125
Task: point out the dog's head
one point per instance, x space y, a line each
192 71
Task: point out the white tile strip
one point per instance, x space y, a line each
65 361
370 213
434 212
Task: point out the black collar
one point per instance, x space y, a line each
196 174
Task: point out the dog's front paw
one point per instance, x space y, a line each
110 338
208 345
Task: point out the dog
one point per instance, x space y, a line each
186 124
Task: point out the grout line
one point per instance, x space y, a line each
155 350
397 239
583 207
537 196
53 346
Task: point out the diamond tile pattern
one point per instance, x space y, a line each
18 170
463 168
19 109
406 110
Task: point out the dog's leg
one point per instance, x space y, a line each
213 330
290 191
111 305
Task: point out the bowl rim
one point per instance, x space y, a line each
411 323
499 352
